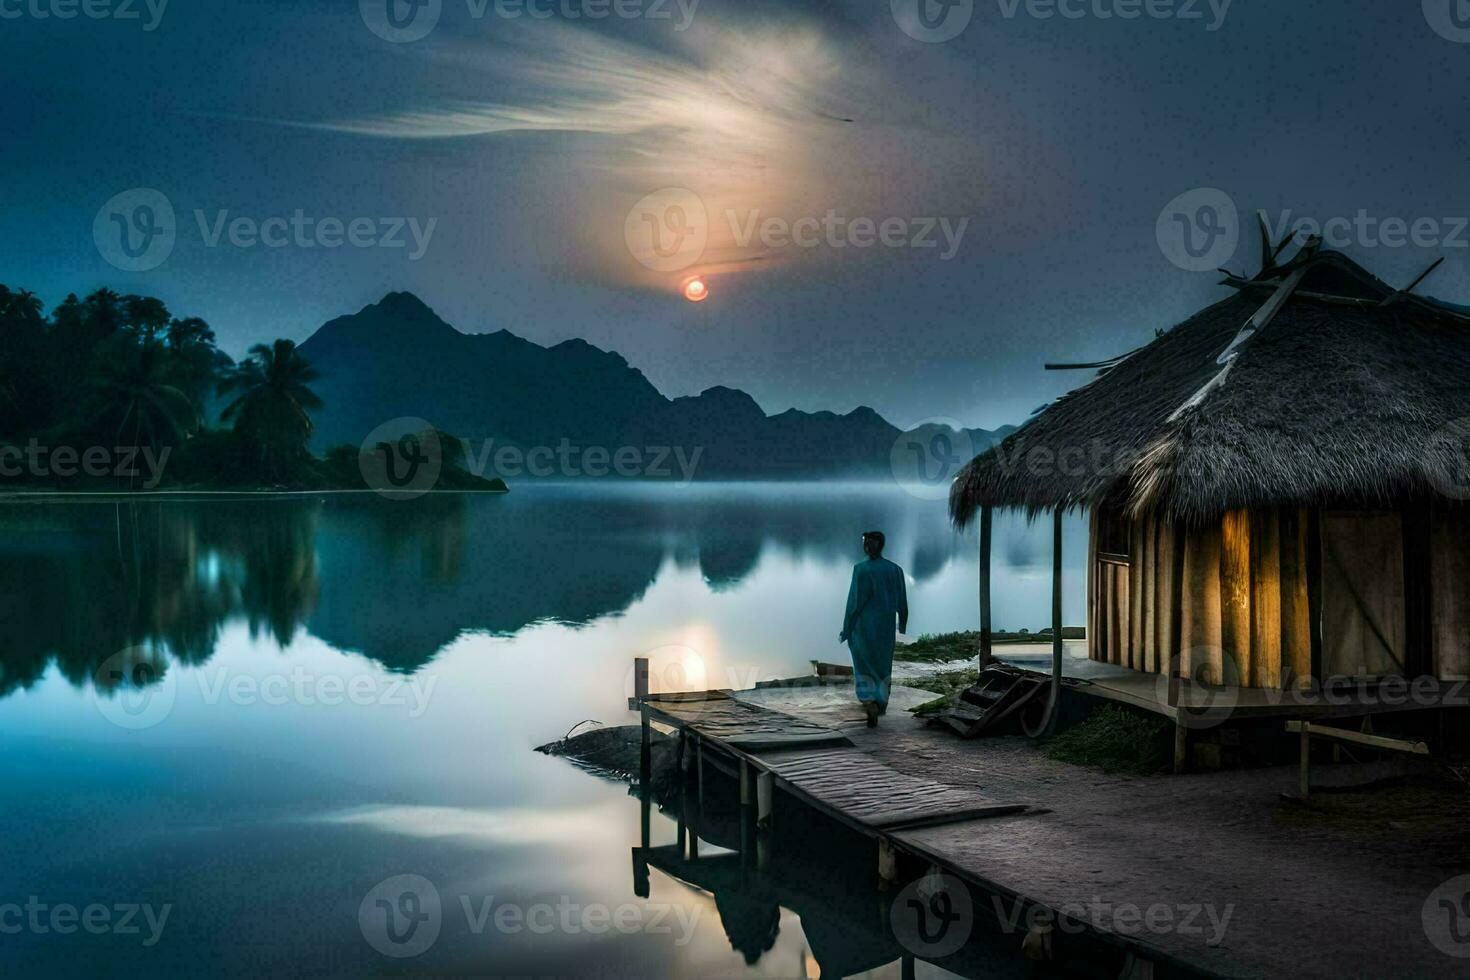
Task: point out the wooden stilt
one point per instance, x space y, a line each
887 863
1304 776
765 789
1181 747
747 815
645 776
1056 621
640 678
987 653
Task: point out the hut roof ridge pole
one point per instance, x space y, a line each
1259 321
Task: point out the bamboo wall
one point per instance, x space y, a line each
1450 593
1226 603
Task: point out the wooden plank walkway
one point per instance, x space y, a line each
739 724
819 764
875 795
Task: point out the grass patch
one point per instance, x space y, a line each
931 648
947 685
1116 739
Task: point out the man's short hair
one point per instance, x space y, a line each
876 537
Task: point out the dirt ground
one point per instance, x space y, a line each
1216 869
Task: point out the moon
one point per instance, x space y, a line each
695 290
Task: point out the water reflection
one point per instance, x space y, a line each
824 875
399 581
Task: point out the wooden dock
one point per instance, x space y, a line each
791 738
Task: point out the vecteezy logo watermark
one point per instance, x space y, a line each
932 21
1447 459
404 915
1449 18
925 459
401 916
133 689
401 21
402 458
1213 686
91 9
135 231
1446 917
96 919
1368 230
668 230
65 462
933 917
1199 230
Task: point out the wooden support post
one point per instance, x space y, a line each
1056 621
906 969
887 863
747 815
645 776
987 654
1304 780
640 678
640 873
1181 747
765 789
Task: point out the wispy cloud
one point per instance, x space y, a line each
779 121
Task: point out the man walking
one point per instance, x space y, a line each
876 596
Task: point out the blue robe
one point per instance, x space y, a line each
876 596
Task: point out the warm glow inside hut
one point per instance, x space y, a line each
1276 486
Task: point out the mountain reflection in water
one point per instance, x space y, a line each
399 580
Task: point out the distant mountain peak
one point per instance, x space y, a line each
403 304
398 358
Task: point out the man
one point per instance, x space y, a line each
876 595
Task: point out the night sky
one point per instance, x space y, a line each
1055 142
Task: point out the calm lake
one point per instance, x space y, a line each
225 724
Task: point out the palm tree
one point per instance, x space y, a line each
272 410
135 394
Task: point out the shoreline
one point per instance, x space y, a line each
59 496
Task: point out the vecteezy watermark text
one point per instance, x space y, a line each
1201 919
136 231
149 13
65 462
134 690
568 459
935 21
301 230
402 917
406 21
1367 230
96 919
669 230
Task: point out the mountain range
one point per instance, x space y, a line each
398 359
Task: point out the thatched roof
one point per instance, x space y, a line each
1352 391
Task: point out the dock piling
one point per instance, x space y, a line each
640 678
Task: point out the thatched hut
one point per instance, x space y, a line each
1275 486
